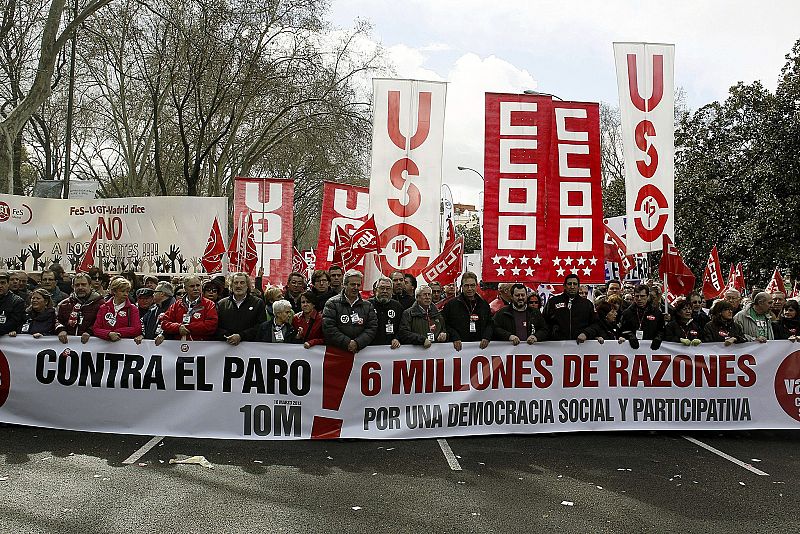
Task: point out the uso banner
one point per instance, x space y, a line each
543 203
271 391
645 78
146 234
270 202
406 176
343 206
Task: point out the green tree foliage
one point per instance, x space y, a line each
737 182
472 234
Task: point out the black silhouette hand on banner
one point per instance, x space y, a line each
23 259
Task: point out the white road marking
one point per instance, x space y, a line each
726 456
452 461
144 449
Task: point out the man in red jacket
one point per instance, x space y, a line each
193 317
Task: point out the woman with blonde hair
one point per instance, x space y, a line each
40 316
117 318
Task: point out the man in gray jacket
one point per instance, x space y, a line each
348 321
755 319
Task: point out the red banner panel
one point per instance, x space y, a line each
344 206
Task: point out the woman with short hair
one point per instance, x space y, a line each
118 318
40 316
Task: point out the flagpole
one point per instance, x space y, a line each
263 214
666 306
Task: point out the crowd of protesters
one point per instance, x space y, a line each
332 308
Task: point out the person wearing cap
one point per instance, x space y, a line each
75 315
144 300
193 317
162 299
241 312
12 307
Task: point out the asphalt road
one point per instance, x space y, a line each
63 482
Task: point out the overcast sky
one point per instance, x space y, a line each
565 48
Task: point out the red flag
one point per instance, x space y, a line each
680 278
777 283
739 280
249 257
215 248
363 240
298 262
451 233
712 276
343 205
88 258
341 246
795 290
446 267
242 248
615 251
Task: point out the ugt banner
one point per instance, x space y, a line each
165 235
276 391
406 177
270 202
343 206
543 203
645 78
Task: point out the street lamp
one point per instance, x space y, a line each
539 93
460 168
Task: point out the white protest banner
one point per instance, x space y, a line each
406 176
645 78
276 391
147 234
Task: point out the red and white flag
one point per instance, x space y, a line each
343 206
269 204
406 174
740 282
448 265
364 240
616 252
776 284
299 264
712 277
795 290
543 212
451 233
680 279
242 253
645 79
88 258
215 250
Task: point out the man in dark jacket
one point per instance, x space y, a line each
389 312
467 316
642 320
423 324
240 313
76 314
162 299
348 321
568 314
12 307
519 322
399 289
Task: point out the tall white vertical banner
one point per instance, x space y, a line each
645 76
406 177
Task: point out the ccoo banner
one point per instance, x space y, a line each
645 77
266 391
406 176
147 234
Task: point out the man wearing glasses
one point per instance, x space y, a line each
568 314
698 315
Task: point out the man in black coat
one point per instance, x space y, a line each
519 322
240 313
389 312
642 320
12 307
568 314
467 316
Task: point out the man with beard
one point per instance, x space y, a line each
240 313
193 317
519 322
569 314
12 307
162 300
642 320
399 290
389 313
467 316
76 314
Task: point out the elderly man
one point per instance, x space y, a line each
348 321
240 313
503 297
778 303
423 323
193 317
75 315
295 286
48 282
389 312
734 298
162 299
12 307
18 283
755 320
467 316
